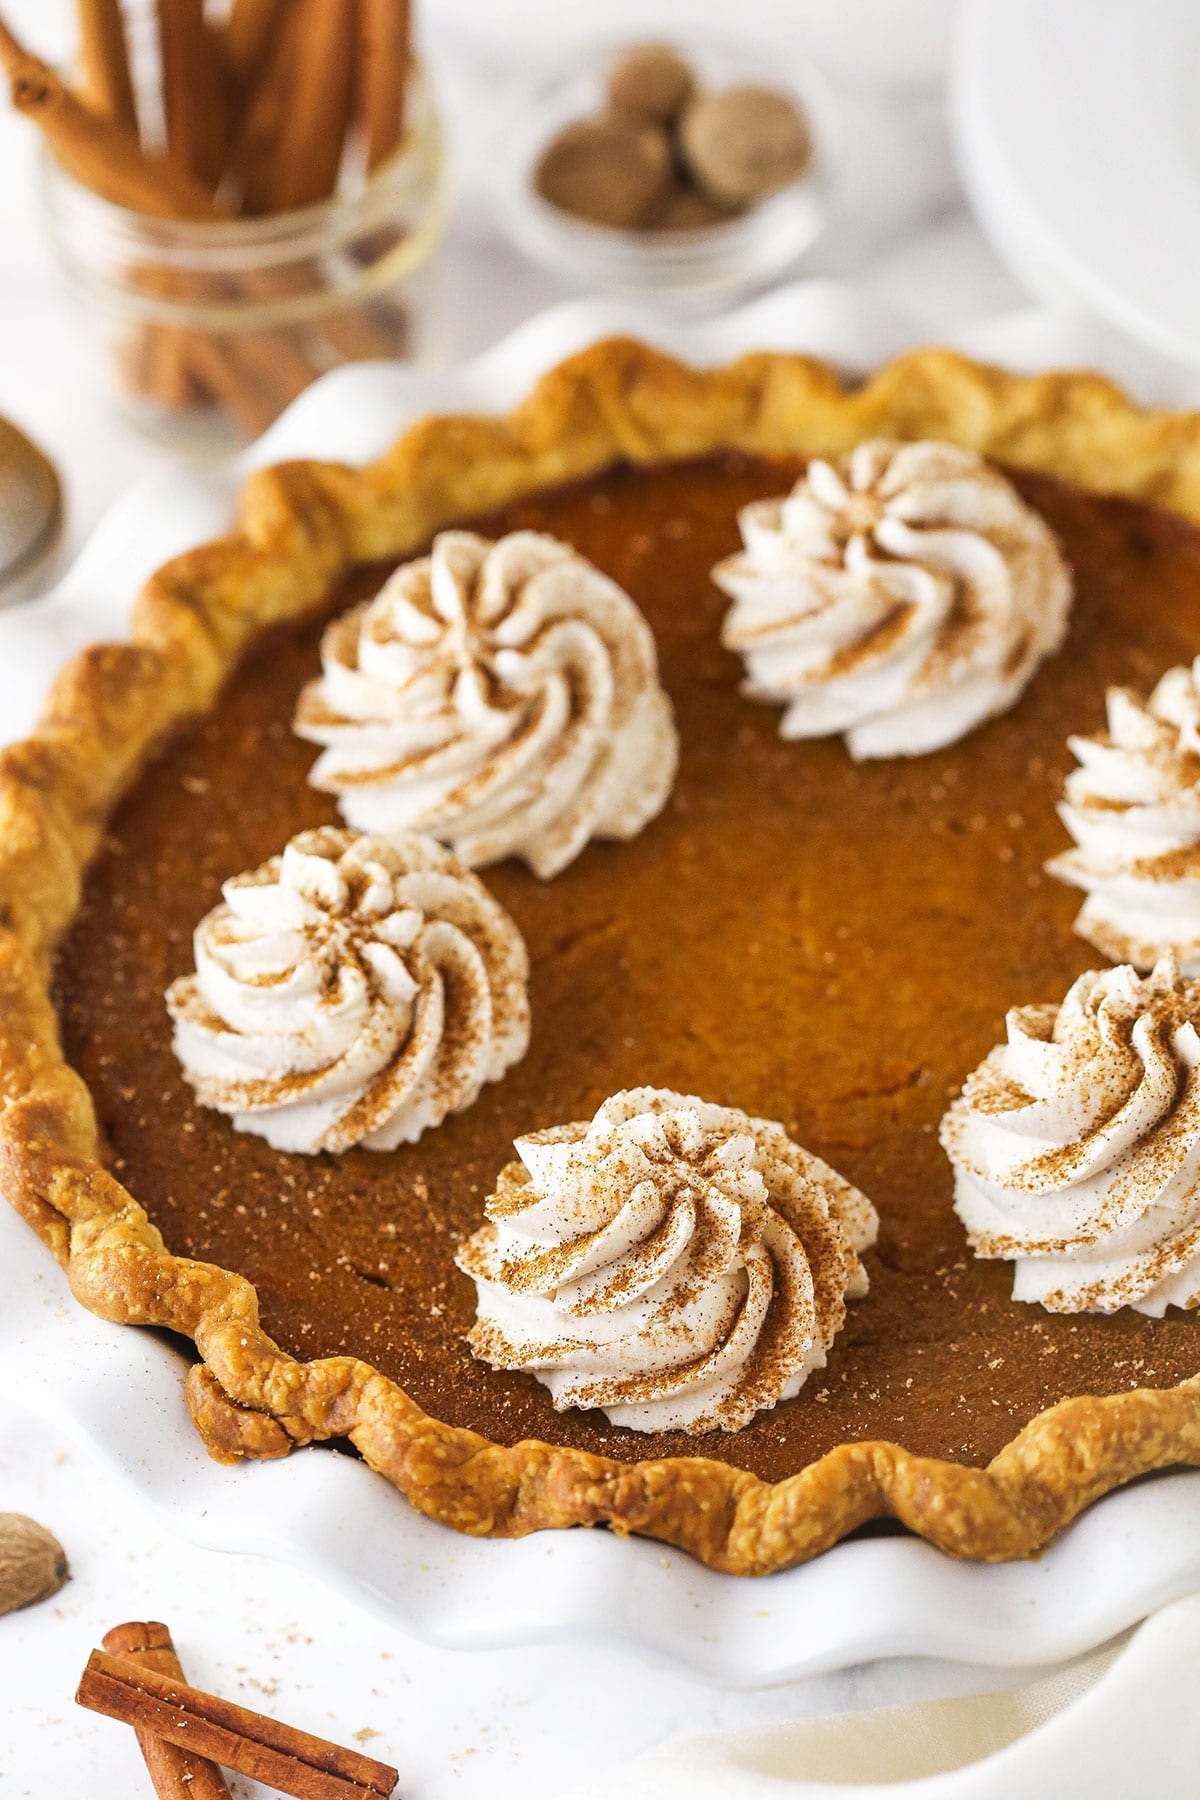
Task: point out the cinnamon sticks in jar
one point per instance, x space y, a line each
195 89
249 34
106 84
383 59
263 107
312 133
98 150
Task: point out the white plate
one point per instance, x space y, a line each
118 1392
1079 140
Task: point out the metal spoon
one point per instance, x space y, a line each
31 512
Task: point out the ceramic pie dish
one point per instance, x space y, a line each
1055 188
304 528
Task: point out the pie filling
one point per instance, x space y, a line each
830 944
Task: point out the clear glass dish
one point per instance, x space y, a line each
211 329
702 265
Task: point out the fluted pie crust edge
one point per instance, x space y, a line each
302 526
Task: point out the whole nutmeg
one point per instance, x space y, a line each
687 210
652 81
33 1564
744 143
612 170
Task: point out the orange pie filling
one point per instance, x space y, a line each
799 937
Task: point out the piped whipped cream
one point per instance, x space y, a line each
354 990
1133 808
679 1265
900 594
1076 1146
503 697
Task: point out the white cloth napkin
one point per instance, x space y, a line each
1094 1728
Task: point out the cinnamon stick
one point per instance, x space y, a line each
282 1756
311 139
253 375
104 62
194 91
98 152
172 381
209 364
252 162
362 333
177 1774
152 362
249 35
384 53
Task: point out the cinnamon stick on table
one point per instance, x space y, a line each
295 1762
177 1774
384 53
104 62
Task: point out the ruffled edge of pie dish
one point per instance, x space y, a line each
301 527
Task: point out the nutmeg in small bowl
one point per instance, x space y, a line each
676 170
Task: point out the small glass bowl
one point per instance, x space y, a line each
704 264
211 329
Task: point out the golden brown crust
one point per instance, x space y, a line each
302 526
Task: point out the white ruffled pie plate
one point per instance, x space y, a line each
118 1392
1076 135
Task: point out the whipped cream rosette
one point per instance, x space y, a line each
354 990
1076 1146
679 1265
1133 808
900 594
504 697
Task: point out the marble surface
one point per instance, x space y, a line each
492 1724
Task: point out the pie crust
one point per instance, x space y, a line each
302 527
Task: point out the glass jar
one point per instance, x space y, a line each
211 329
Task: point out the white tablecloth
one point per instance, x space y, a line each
497 1724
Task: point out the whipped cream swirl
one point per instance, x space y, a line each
1133 808
503 697
679 1265
900 594
354 990
1076 1146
